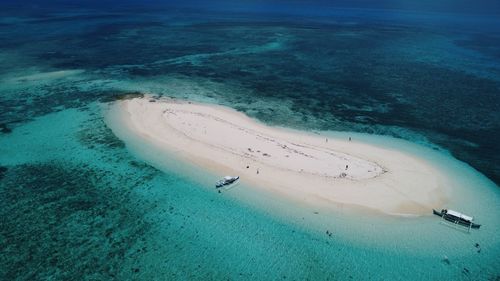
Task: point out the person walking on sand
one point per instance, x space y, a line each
257 171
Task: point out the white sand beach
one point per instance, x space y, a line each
302 166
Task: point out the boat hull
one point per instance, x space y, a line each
456 220
227 184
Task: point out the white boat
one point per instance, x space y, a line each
227 182
457 218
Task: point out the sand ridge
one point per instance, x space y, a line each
299 165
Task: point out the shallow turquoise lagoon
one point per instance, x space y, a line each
116 216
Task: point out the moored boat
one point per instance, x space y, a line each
226 181
456 218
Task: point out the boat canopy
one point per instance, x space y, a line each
228 178
459 215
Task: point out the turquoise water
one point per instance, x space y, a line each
78 203
371 237
117 217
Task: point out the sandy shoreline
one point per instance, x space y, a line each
311 168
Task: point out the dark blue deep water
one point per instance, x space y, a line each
425 72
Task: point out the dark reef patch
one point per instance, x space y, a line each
52 98
3 170
354 76
96 134
52 19
5 129
121 96
66 222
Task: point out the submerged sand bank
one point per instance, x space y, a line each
298 165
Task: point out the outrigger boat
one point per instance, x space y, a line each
227 182
457 218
